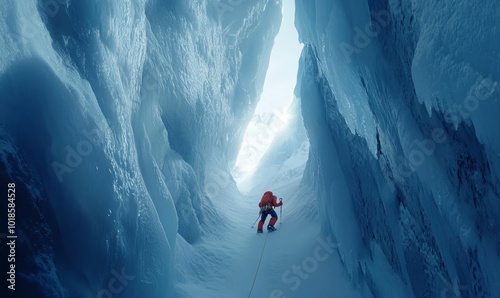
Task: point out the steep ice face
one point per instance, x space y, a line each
111 114
398 104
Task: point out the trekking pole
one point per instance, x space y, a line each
281 210
255 221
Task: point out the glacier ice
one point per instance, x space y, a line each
159 85
120 123
407 184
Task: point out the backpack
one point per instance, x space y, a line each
267 198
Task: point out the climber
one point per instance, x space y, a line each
266 205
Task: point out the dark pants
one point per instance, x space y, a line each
263 218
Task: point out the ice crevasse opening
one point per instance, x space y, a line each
139 137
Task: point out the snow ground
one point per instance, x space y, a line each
236 249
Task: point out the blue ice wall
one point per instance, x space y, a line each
398 100
111 114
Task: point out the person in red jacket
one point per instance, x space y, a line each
266 205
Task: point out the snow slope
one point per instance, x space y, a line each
295 261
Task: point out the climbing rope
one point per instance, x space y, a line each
260 260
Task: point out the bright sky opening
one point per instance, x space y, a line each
271 115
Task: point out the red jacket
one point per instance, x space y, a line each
269 198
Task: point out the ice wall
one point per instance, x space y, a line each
112 112
398 100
